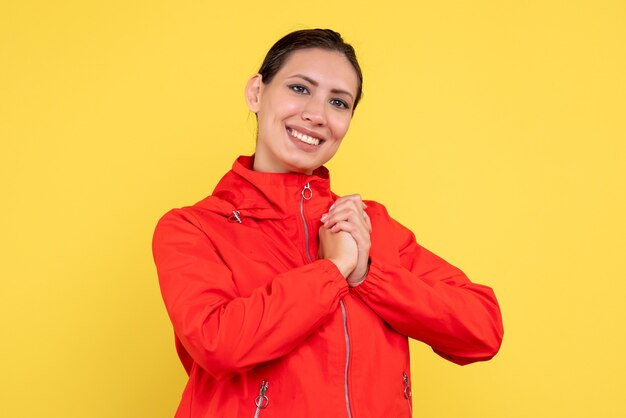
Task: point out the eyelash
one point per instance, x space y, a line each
299 89
340 103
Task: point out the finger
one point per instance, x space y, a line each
368 222
344 226
356 198
343 208
345 215
358 232
340 205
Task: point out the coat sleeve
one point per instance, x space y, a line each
423 297
220 330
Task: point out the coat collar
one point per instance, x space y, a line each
272 195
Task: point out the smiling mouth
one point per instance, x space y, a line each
304 138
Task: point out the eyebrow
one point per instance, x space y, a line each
315 83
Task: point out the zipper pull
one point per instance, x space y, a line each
307 192
235 217
407 388
262 400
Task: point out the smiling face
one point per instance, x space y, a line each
304 112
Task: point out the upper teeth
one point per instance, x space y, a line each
304 138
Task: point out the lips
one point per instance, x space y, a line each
307 139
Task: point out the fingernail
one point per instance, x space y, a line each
331 207
324 217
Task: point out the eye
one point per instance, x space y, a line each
339 103
298 88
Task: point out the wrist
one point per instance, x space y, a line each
344 268
362 277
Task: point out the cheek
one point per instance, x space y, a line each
280 105
340 127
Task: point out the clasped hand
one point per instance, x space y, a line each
345 237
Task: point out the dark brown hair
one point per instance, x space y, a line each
309 38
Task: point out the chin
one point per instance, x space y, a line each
299 164
302 169
309 166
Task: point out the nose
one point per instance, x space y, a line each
315 112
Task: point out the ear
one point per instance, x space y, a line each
254 89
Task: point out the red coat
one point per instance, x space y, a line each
263 328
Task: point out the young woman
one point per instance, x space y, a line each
290 301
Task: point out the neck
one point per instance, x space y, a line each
263 166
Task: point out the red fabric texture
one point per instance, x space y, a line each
248 306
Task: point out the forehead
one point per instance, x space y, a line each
323 66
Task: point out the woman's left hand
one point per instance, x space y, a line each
348 214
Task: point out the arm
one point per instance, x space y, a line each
222 331
424 297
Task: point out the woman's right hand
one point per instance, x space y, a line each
340 248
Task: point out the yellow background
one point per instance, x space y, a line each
495 130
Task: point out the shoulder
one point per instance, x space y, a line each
209 210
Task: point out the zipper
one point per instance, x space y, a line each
407 392
344 313
261 401
307 194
